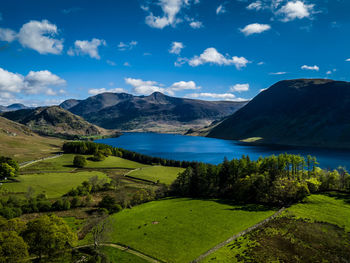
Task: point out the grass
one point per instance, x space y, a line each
114 162
62 163
52 184
289 240
332 208
117 255
179 230
74 223
286 237
164 174
18 142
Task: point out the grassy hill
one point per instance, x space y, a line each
19 142
55 121
308 112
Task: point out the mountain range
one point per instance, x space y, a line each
156 112
305 112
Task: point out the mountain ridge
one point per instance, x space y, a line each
155 112
302 112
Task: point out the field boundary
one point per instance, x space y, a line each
234 237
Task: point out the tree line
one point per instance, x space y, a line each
99 150
274 180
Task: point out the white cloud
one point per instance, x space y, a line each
176 48
278 73
7 35
126 64
37 81
348 60
220 9
85 47
170 9
255 6
315 68
255 29
212 56
261 63
182 85
329 72
240 87
103 90
39 36
220 96
34 83
127 46
144 87
10 82
196 24
35 35
147 87
295 10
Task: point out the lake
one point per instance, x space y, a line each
209 150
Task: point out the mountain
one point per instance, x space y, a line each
13 107
19 142
305 112
55 121
67 104
156 112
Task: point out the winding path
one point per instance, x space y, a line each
222 244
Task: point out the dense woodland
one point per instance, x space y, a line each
274 180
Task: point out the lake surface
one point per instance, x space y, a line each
209 150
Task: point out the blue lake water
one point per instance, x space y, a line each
209 150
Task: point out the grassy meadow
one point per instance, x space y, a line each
298 235
180 229
52 184
164 174
114 162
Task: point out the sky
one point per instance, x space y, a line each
54 50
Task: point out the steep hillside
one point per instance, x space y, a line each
19 142
156 112
54 121
312 112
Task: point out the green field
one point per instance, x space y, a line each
53 184
117 255
164 174
179 230
61 163
331 208
114 162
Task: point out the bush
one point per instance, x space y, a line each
108 202
99 156
79 161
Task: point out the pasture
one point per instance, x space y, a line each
163 174
54 185
181 229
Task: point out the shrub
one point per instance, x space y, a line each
79 161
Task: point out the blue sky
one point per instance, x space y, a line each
207 49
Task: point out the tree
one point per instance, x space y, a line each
48 235
6 170
110 204
79 161
12 247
